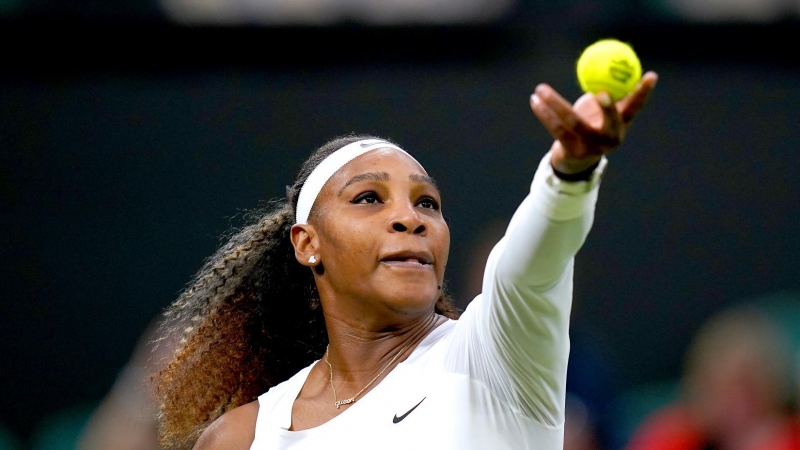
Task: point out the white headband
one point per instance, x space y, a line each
329 166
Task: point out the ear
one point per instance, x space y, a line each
305 241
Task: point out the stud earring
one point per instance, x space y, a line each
312 260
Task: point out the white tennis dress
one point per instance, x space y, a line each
494 379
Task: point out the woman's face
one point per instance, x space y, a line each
382 238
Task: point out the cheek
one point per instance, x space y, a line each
443 246
346 245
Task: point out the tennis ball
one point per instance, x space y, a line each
611 66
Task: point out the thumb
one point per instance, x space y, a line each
612 122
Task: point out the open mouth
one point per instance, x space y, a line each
408 259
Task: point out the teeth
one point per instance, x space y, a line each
409 260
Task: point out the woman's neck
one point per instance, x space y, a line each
357 353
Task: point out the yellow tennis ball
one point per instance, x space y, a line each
611 66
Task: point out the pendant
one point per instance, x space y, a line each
344 402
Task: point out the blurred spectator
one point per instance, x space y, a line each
760 11
126 419
736 390
325 12
579 427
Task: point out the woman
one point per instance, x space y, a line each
324 323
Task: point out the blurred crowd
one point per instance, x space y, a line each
737 390
377 12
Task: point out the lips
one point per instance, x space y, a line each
408 258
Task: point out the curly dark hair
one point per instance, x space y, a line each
250 319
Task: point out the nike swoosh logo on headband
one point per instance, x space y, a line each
398 419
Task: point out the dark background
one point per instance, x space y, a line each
129 144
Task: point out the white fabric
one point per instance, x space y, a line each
494 379
329 166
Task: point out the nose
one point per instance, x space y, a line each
406 220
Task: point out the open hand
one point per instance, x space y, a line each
591 128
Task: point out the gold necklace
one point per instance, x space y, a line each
339 403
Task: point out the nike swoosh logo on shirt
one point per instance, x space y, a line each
398 419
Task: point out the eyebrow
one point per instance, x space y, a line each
424 179
383 176
370 176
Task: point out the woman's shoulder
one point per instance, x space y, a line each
234 430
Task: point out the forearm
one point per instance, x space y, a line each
548 228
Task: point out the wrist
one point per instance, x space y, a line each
582 175
564 164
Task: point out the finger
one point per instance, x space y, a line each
629 106
563 109
612 122
551 121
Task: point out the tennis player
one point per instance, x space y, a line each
324 324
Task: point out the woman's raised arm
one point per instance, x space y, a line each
518 329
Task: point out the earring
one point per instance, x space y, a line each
312 260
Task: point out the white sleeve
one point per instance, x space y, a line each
514 335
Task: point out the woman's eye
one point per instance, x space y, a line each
366 197
429 203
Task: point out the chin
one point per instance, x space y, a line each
412 299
